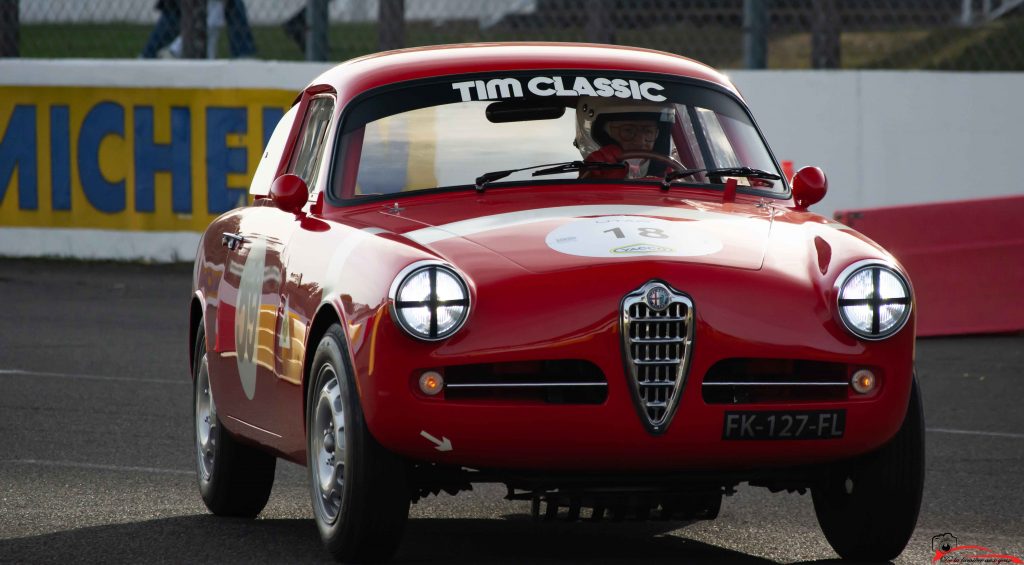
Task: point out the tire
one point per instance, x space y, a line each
234 479
874 522
359 490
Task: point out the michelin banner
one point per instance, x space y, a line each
140 159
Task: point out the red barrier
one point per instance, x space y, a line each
965 260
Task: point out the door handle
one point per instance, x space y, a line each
232 240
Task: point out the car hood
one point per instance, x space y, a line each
552 234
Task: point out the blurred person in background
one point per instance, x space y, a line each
296 27
168 25
166 40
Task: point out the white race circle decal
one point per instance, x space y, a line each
247 315
631 236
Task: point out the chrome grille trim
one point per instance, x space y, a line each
775 380
521 385
776 383
658 340
656 347
656 362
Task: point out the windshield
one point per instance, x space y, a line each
447 133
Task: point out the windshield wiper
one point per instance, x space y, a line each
576 166
553 169
745 172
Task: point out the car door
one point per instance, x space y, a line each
266 328
242 320
250 323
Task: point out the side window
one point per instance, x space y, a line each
306 159
267 169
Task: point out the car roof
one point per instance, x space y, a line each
379 69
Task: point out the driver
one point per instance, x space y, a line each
607 128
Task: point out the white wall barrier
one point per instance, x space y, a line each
132 159
894 137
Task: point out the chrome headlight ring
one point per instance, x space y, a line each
429 300
873 299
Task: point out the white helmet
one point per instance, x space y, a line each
593 114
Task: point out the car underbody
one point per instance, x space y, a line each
691 495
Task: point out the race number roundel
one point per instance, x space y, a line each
631 236
247 315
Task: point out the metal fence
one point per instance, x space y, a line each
778 34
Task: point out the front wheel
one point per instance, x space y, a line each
359 490
234 479
868 507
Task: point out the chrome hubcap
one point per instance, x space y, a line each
206 421
328 435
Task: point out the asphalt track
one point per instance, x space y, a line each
96 461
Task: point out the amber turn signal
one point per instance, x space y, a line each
431 383
863 381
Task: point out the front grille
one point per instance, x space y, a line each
657 333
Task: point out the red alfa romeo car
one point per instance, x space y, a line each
575 270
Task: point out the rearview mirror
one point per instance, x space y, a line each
520 111
289 193
809 187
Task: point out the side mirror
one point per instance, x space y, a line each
809 187
289 193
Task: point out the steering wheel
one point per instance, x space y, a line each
654 157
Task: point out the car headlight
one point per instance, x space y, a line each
429 300
873 299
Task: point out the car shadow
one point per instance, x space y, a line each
515 539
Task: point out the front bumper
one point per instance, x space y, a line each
611 437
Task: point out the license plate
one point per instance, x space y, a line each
811 424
